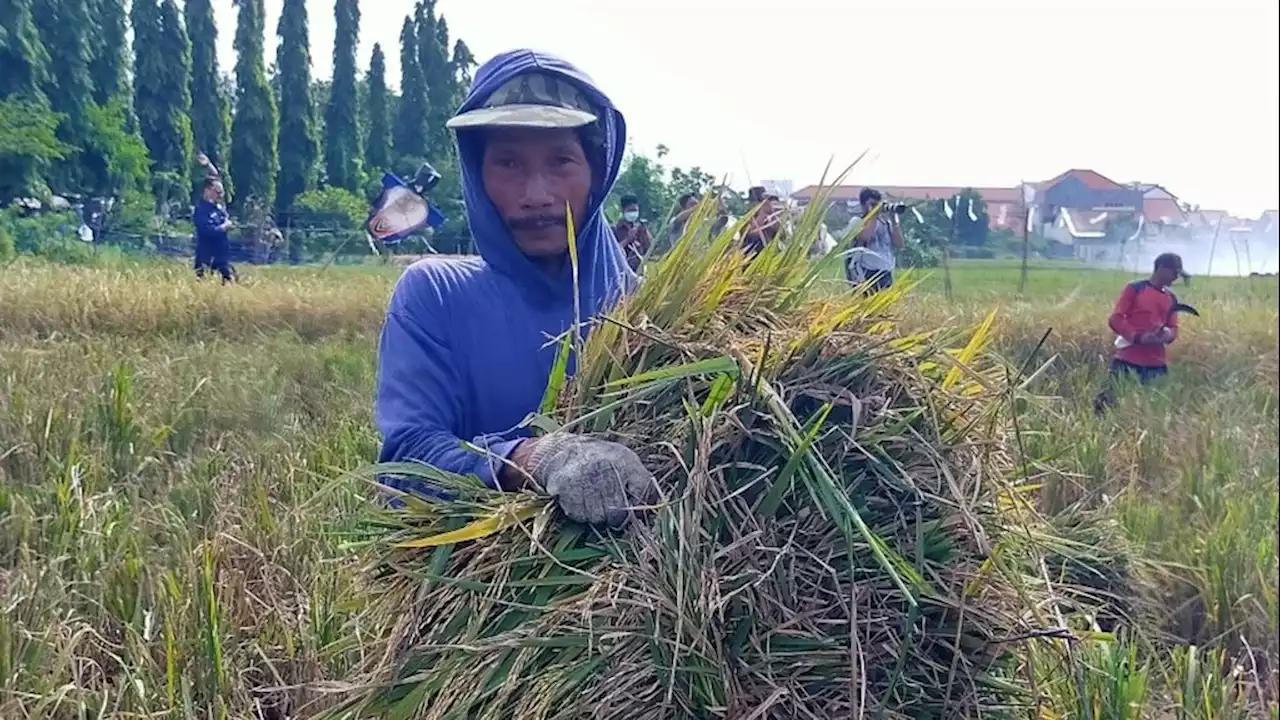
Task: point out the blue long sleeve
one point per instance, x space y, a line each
419 403
208 218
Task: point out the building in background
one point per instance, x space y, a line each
1002 202
1084 214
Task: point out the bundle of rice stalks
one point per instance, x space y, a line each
822 548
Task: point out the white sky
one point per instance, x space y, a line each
982 93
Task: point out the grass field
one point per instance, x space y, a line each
175 530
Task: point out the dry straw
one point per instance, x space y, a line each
823 548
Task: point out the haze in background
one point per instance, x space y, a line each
988 93
1231 256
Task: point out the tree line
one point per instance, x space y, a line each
82 113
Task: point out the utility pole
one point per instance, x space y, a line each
946 249
1028 195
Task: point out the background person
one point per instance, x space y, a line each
685 208
764 224
878 240
632 233
1144 326
213 247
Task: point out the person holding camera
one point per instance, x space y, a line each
872 258
632 232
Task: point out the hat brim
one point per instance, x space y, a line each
527 116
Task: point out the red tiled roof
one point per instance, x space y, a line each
1089 178
910 192
1163 210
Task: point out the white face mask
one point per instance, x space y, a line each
631 215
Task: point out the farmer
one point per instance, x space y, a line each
213 248
468 343
872 258
764 225
685 208
1144 325
632 232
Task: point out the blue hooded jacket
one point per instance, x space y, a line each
467 346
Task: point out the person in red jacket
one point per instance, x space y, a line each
1144 325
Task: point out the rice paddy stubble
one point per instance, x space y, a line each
145 419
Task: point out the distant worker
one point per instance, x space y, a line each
685 207
213 247
872 257
632 233
764 225
1144 323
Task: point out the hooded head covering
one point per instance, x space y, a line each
603 275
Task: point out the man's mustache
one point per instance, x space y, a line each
537 222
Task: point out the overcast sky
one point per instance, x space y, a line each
983 93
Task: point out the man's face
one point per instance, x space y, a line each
689 202
869 203
631 212
530 175
213 193
1167 274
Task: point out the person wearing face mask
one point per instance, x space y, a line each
465 352
632 233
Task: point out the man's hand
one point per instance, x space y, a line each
594 481
203 160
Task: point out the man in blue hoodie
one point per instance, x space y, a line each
468 343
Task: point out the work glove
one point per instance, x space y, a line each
594 481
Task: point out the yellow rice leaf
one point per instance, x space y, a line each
971 350
504 518
881 327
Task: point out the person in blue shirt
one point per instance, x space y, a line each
468 343
213 248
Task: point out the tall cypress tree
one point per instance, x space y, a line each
63 26
437 76
109 51
411 115
449 95
298 145
210 108
341 124
377 144
463 62
254 162
23 58
162 84
23 62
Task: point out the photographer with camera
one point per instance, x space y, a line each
874 246
632 232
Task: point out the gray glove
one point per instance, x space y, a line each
594 481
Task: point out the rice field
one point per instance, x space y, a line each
178 538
